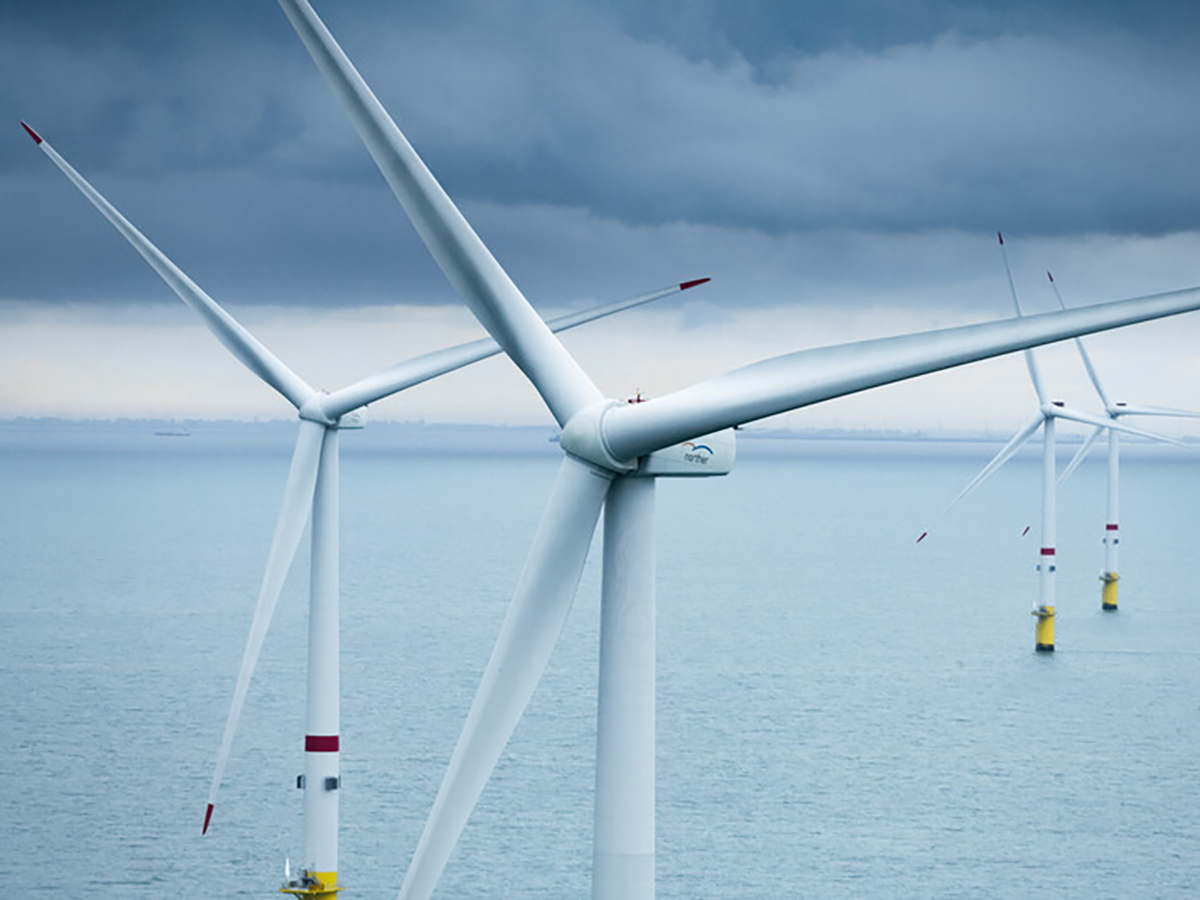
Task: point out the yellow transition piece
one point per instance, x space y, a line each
1044 635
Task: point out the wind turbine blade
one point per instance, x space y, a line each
530 630
289 528
1128 410
253 355
1087 359
1063 412
462 256
1081 453
574 320
801 379
1114 409
1006 453
1035 374
430 365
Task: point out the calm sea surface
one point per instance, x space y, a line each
842 713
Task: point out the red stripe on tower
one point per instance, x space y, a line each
1047 551
321 743
1113 526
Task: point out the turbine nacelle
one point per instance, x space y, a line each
711 454
354 420
584 438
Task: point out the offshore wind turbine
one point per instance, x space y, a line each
1049 411
311 491
613 453
1112 527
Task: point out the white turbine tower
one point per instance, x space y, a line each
1049 411
1112 532
312 488
613 452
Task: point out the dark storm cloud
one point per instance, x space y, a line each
763 30
207 124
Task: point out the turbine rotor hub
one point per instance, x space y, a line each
314 411
583 437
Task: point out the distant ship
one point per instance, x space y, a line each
173 432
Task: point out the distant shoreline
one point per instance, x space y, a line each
424 438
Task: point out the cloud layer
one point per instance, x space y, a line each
842 159
212 129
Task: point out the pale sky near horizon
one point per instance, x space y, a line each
839 172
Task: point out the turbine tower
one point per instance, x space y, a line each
1112 533
613 452
312 491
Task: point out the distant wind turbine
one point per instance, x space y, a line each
1112 534
613 453
312 488
1049 411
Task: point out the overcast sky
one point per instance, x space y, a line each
840 170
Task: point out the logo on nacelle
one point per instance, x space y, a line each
711 454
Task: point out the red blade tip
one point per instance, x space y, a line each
691 284
922 537
1051 277
1026 531
33 134
207 818
1001 236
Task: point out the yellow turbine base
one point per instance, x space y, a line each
1108 593
320 886
1044 633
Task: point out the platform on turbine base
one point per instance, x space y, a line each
1044 632
313 885
1108 593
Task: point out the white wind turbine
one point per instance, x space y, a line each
612 454
1049 411
1112 533
312 488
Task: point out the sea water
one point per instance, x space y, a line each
841 711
